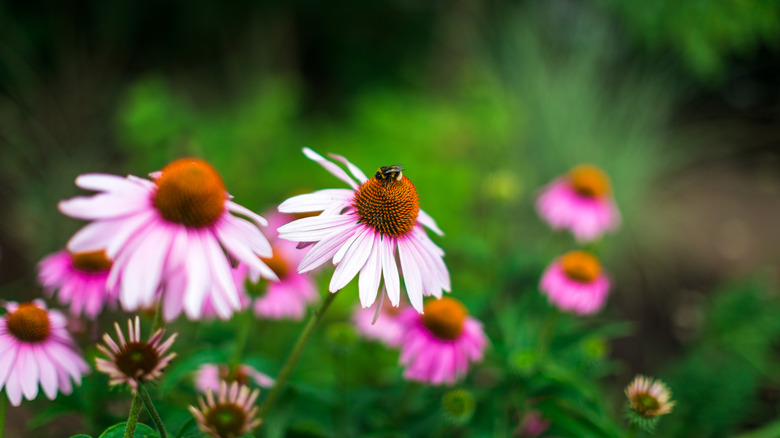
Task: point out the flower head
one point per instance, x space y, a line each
36 348
132 360
209 375
438 345
80 279
360 229
575 282
231 415
649 398
169 236
581 202
458 406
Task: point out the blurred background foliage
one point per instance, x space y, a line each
483 103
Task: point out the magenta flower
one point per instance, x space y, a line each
169 236
580 202
209 375
439 344
133 360
575 283
80 280
359 229
387 328
36 348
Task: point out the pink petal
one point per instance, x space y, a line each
354 260
330 167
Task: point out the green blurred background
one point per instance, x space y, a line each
483 103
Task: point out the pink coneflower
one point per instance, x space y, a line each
287 298
581 202
209 375
649 398
575 282
132 360
231 415
360 229
169 236
80 278
387 328
439 344
35 347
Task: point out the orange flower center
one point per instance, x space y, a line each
227 419
93 261
190 192
444 317
277 263
29 323
590 181
388 202
136 359
581 266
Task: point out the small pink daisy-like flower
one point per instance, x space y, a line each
649 398
575 282
231 415
209 375
439 344
581 202
36 348
80 278
360 229
287 298
132 360
170 236
387 328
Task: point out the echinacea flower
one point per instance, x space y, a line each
209 375
581 202
132 360
649 398
288 297
79 279
360 229
575 282
36 348
387 328
231 415
439 344
169 236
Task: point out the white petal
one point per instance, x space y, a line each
390 271
330 167
240 209
220 272
411 273
354 260
244 231
103 182
425 219
48 374
143 271
348 244
324 250
197 277
359 175
370 275
313 229
316 201
237 248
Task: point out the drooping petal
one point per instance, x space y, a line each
330 167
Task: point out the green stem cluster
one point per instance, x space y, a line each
152 411
295 354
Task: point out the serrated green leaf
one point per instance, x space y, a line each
118 431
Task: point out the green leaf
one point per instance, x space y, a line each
118 431
81 436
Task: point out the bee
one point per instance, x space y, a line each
387 173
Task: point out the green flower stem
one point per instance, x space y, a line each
241 337
152 411
631 432
295 354
2 413
132 418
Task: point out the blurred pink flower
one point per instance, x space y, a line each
387 329
580 202
36 348
81 280
360 228
169 236
575 282
209 376
440 343
132 360
533 425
